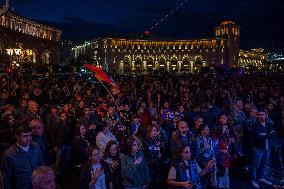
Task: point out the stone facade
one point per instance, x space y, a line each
125 55
37 43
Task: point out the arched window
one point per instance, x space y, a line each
45 57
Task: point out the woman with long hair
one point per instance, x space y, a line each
135 171
224 141
95 174
112 157
204 154
185 172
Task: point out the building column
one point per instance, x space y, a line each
144 66
179 66
168 66
191 66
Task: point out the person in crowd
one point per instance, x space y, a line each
63 145
21 112
88 118
38 135
248 133
134 168
181 136
205 153
198 123
262 132
238 118
185 172
112 157
43 178
79 146
51 126
95 173
32 112
104 136
20 160
224 143
153 154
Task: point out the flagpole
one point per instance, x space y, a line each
109 93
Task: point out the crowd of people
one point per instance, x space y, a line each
161 131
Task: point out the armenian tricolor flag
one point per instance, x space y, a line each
101 75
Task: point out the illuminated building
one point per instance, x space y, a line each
125 55
253 57
22 37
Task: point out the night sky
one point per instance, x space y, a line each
261 21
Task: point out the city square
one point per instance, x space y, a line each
141 95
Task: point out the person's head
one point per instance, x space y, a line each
93 154
33 106
196 108
87 112
204 130
132 146
184 152
239 105
82 130
141 110
23 135
181 108
126 107
111 110
37 127
253 112
166 105
62 116
43 178
24 104
53 109
112 149
66 108
9 120
152 132
261 116
222 119
198 122
156 123
182 127
269 106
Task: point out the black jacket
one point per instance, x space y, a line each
259 140
17 166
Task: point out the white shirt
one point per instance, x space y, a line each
100 184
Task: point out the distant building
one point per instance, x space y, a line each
27 41
126 55
253 57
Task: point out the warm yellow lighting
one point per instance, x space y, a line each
18 51
10 52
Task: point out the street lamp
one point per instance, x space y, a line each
18 56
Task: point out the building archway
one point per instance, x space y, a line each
198 64
185 65
138 64
162 64
127 64
173 67
150 64
45 58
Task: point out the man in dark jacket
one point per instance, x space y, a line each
20 160
262 132
39 137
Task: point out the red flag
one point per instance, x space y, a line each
101 75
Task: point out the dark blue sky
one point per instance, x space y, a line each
261 21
